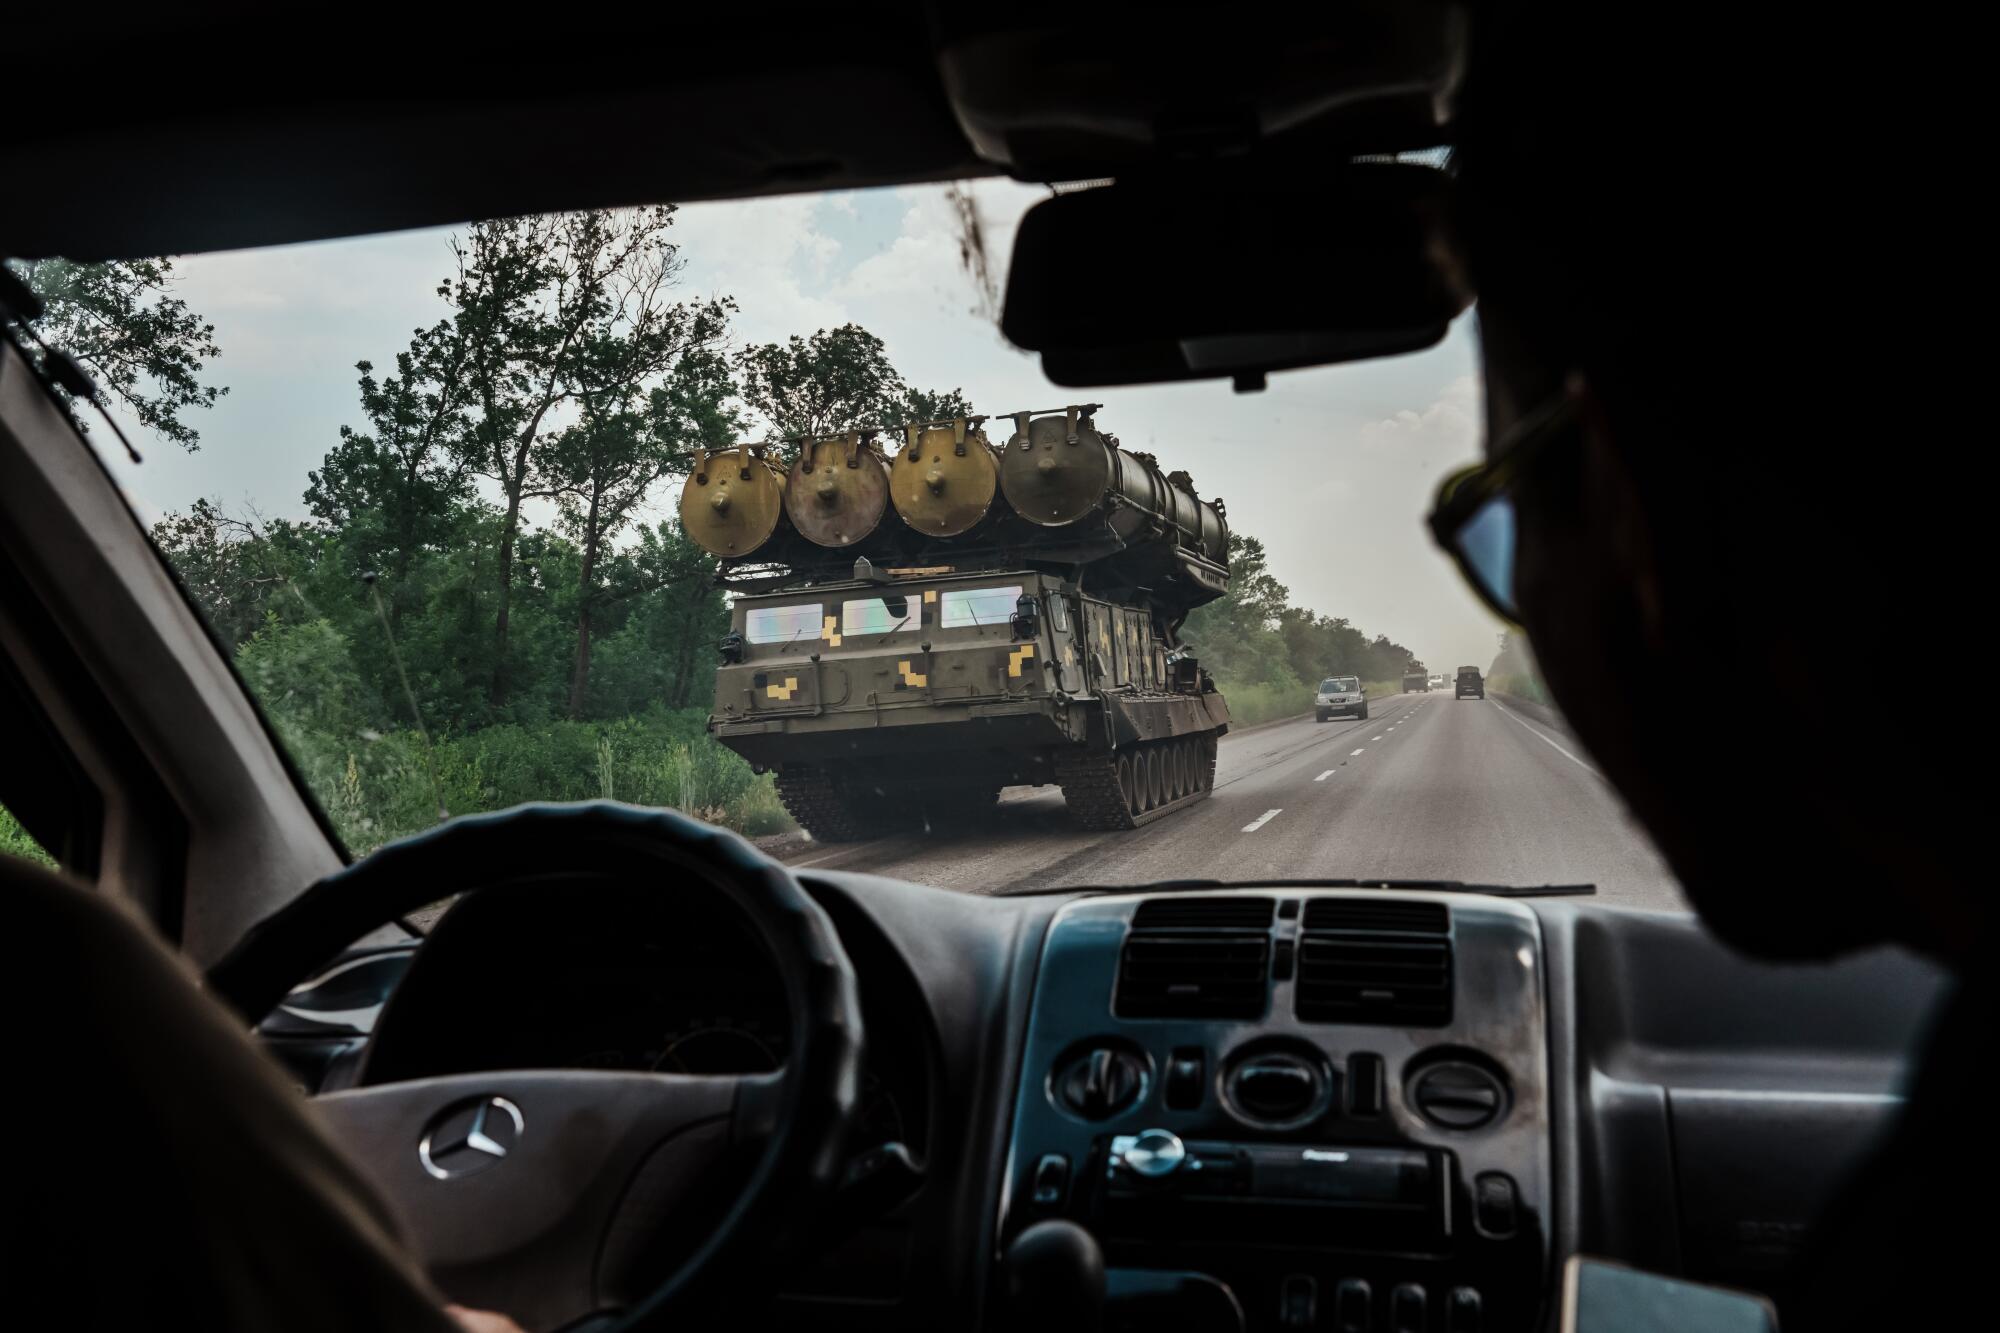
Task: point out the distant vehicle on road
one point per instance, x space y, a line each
1417 681
1471 683
1342 695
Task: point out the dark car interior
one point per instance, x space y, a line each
1306 1104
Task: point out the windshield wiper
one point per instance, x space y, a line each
1431 885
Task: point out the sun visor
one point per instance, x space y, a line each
1129 284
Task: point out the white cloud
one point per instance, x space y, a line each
765 253
1452 421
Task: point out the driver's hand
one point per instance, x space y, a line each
482 1321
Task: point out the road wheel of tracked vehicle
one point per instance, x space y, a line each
1137 785
830 809
1128 785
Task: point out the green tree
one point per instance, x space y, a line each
239 573
604 467
835 380
650 383
1237 635
661 653
907 405
393 487
141 342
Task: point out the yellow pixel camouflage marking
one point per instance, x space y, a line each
914 679
1018 656
829 633
785 691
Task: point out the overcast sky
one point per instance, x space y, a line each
1332 468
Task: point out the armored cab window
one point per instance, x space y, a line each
960 607
781 624
877 615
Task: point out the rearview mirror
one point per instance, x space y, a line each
1132 283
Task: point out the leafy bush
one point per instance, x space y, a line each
376 786
16 841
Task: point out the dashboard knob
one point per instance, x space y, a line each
1102 1083
1153 1153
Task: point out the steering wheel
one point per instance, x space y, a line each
517 1182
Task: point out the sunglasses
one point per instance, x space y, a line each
1473 517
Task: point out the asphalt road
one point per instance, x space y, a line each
1429 787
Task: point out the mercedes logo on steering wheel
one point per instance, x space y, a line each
470 1136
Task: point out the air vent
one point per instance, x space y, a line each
1212 913
1187 974
1370 960
1377 914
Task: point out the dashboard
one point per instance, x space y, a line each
1331 1105
1260 1108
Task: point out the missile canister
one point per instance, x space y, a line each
944 480
838 490
1059 470
732 501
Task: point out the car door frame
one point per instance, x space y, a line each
206 822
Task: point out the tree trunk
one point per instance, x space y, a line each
579 681
684 676
514 481
498 693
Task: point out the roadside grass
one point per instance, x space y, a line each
1251 704
377 787
1521 687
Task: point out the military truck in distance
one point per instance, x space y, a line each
1414 681
913 634
1470 683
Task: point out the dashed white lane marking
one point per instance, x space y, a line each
1582 764
1352 753
801 865
1324 776
1374 738
1261 820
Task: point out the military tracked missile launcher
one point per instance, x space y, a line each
911 635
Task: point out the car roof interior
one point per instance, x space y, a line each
262 152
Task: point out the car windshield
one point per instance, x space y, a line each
727 507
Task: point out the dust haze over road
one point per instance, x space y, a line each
1428 787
